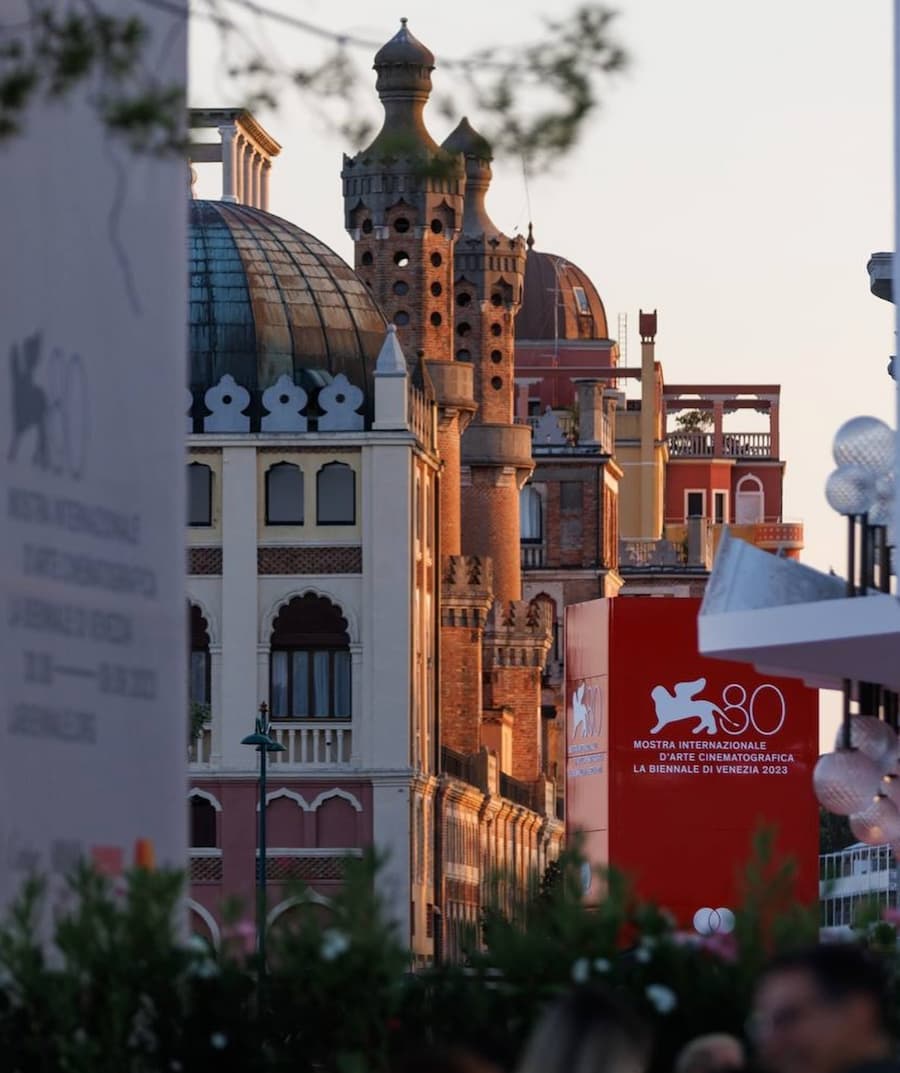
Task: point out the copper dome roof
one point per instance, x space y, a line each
268 298
550 279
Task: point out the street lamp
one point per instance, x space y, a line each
263 743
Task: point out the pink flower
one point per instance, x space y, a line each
724 947
244 935
891 916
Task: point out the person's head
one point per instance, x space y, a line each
587 1031
713 1053
822 1010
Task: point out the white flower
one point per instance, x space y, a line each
601 965
642 954
334 943
581 971
662 998
218 1040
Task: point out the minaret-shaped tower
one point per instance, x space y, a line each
403 201
489 274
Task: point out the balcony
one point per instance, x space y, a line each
312 743
734 445
309 744
533 556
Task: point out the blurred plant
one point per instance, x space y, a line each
533 100
694 421
120 990
198 716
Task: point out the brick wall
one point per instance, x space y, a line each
519 689
490 525
461 700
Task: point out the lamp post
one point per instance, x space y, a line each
261 740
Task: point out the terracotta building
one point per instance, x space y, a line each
355 471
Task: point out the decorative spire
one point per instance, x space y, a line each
529 242
465 139
404 67
391 361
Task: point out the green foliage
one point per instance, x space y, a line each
198 715
834 832
60 50
694 421
533 100
121 990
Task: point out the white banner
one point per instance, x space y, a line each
93 723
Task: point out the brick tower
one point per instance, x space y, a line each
403 202
489 272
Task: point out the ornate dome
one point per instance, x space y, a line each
580 313
403 50
268 298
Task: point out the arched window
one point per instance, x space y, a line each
199 482
284 494
336 495
203 824
749 501
310 662
531 521
198 664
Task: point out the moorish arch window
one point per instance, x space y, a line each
199 487
199 671
284 494
203 824
749 501
336 495
310 661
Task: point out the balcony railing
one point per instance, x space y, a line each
734 445
533 556
636 552
312 743
514 790
201 747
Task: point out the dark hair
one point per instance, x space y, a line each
588 1028
839 970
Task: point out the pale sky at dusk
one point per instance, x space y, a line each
736 179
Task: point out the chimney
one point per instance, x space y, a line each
245 150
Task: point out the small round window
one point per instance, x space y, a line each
401 225
367 226
401 258
401 318
463 298
496 299
496 357
367 258
401 287
437 260
496 383
496 329
436 289
437 227
463 328
463 355
435 319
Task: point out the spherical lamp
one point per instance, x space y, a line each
865 441
850 489
846 781
878 824
874 739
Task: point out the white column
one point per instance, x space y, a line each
247 174
229 136
262 672
215 703
240 614
264 185
255 169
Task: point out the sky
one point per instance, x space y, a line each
736 179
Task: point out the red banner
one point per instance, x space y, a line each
675 760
